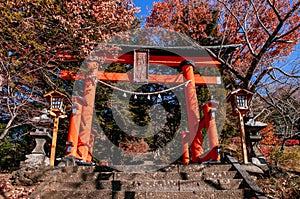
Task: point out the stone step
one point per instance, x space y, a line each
105 194
148 168
218 174
152 185
174 168
212 184
169 175
79 177
204 168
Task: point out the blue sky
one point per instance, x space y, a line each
145 6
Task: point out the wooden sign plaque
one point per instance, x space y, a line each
141 66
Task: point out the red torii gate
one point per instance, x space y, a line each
81 136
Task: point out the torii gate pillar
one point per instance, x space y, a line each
81 135
192 110
74 129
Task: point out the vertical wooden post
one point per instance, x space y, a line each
54 138
85 145
192 110
74 128
212 132
243 138
91 146
185 147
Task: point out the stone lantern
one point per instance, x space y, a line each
252 128
41 135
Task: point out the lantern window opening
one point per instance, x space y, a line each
241 101
57 103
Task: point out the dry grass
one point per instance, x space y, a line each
289 159
283 179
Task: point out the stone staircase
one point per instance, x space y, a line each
174 181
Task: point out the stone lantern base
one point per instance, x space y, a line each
35 161
38 157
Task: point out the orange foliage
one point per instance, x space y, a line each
182 17
135 146
269 135
266 30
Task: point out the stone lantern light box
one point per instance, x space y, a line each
57 102
240 100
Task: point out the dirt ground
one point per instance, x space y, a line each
280 184
10 191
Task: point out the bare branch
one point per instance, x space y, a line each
275 78
8 126
260 113
223 38
258 18
285 73
286 41
225 64
267 71
241 26
275 10
278 39
259 78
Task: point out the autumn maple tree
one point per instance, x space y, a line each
33 33
265 30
